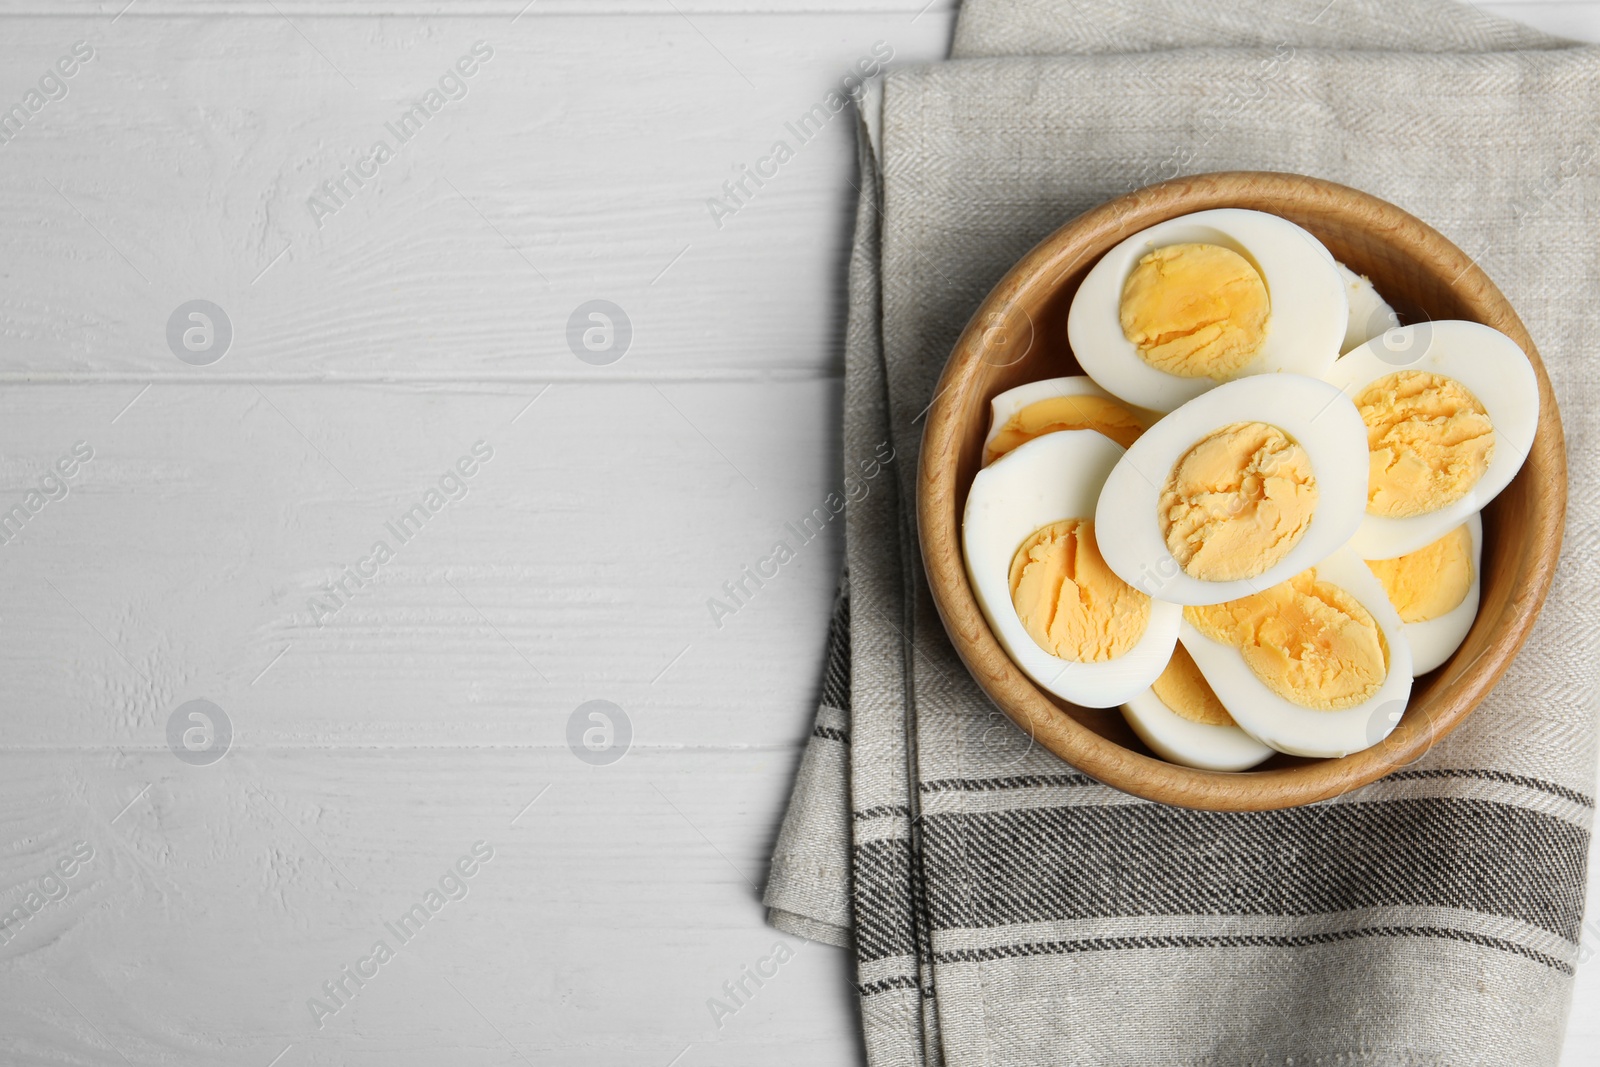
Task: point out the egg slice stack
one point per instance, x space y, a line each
1255 519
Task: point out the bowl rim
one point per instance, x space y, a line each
938 523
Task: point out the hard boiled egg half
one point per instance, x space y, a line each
1435 590
1182 720
1449 410
1370 314
1239 489
1207 298
1033 555
1075 403
1314 666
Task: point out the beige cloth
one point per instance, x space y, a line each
1006 909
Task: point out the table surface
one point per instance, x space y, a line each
398 366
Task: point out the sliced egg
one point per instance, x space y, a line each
1028 536
1370 314
1074 403
1205 298
1426 584
1181 720
1450 409
1314 640
1240 488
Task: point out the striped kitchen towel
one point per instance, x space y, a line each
1005 909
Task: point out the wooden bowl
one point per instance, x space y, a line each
1019 335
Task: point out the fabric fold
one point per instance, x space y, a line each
1007 909
808 884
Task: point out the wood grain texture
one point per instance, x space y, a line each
219 902
557 178
1574 17
383 345
506 10
578 564
1425 277
434 704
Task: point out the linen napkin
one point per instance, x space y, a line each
1004 908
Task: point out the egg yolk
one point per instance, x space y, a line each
1105 416
1069 601
1430 582
1308 641
1186 693
1195 310
1237 502
1429 441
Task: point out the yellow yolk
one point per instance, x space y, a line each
1429 441
1184 690
1430 582
1237 502
1310 642
1107 417
1069 601
1195 310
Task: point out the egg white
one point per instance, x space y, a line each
1370 313
1051 478
1311 412
1308 317
1005 407
1433 641
1192 744
1494 369
1285 725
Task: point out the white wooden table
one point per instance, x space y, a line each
384 340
